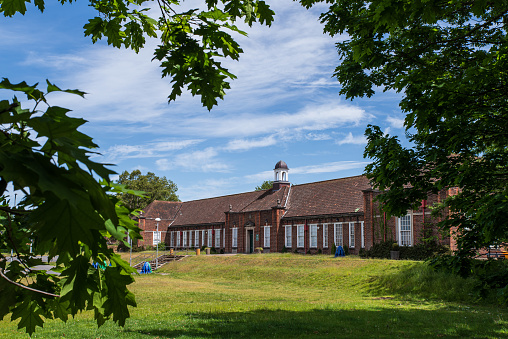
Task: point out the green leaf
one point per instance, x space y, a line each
30 313
119 297
11 7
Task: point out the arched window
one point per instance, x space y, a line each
283 176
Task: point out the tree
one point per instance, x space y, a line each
154 188
450 61
65 211
266 185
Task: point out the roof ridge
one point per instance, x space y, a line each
337 179
222 196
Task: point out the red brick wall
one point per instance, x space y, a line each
382 227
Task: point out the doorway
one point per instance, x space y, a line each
250 241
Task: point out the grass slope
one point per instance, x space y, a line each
293 296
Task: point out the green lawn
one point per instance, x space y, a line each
293 296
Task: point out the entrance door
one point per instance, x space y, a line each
250 241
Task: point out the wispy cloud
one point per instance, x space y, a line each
149 150
245 144
197 161
355 140
329 167
395 122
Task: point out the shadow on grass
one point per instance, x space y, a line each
374 323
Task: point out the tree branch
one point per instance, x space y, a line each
26 287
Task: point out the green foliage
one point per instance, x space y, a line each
64 212
420 251
449 61
152 186
492 275
161 246
266 185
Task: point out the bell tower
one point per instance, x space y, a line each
280 175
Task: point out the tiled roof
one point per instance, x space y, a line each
319 198
327 197
267 200
212 210
166 210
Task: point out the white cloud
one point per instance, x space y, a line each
309 118
197 161
244 144
395 122
329 167
355 140
149 150
318 136
259 177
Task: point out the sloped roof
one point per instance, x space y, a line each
327 197
166 210
206 211
267 200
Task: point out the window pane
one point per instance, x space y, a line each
313 236
288 237
325 235
300 237
338 235
351 234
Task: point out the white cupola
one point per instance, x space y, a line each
280 175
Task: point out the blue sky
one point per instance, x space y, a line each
283 106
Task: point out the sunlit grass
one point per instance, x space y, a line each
293 296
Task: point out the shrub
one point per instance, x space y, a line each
334 248
491 275
422 251
319 251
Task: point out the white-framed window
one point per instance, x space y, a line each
177 239
210 238
224 239
337 234
172 242
217 238
405 231
289 240
234 237
156 238
267 236
351 234
184 238
203 238
362 230
300 237
196 238
325 235
313 236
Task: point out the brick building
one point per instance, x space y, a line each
303 218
